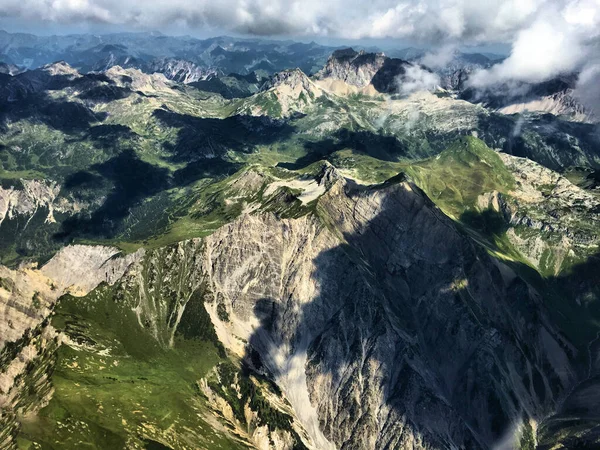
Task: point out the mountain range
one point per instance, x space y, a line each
231 243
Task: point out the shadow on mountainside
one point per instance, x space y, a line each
29 96
416 329
199 138
386 148
413 145
202 145
128 179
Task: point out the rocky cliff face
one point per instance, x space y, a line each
372 70
354 68
283 95
26 200
554 223
349 324
562 104
179 70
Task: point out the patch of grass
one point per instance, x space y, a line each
456 177
21 174
268 103
36 300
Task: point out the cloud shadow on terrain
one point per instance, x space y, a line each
213 137
437 329
27 96
131 180
386 148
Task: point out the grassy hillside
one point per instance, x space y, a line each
457 176
130 379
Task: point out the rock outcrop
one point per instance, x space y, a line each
553 222
352 67
26 196
283 95
179 70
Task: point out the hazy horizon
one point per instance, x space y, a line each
382 44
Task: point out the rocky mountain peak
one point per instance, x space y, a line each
136 79
355 68
9 69
286 93
61 68
329 175
292 78
180 70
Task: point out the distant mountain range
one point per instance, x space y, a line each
184 58
221 63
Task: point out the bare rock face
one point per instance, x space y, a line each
292 78
80 268
374 70
554 221
179 70
26 200
387 328
137 80
354 68
563 104
283 95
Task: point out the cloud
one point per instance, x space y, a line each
587 90
433 21
564 38
516 132
548 37
440 57
416 79
559 41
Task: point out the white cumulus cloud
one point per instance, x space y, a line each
417 79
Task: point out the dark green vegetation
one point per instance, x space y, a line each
242 390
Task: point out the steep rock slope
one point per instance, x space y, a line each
394 330
352 67
555 223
